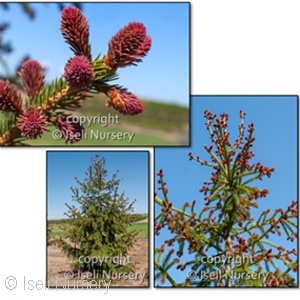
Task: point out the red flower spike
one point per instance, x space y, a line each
162 248
187 204
32 123
72 132
124 102
32 75
10 101
79 72
75 30
160 173
128 46
165 191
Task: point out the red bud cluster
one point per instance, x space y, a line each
83 75
224 226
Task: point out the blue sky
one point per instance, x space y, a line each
64 166
162 76
275 120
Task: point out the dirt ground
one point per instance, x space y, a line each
143 221
60 272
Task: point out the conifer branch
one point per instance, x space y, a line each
224 229
83 76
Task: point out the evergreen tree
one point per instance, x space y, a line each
97 237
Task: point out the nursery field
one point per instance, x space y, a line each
58 263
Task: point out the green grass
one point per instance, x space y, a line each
56 230
142 229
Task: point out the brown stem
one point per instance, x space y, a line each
228 261
52 101
7 139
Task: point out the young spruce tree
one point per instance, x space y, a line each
99 223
